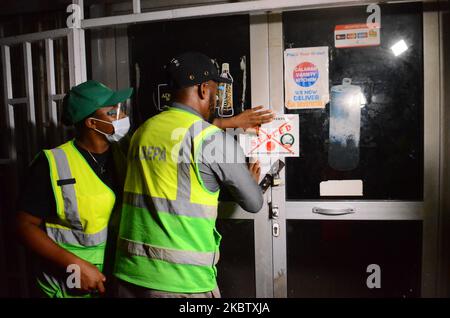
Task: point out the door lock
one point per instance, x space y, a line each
272 177
275 229
276 180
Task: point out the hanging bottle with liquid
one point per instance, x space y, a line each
345 123
225 94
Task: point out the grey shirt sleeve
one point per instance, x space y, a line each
222 162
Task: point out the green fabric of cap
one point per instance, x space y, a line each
85 98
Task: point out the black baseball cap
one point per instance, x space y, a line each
192 68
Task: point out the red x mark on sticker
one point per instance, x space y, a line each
269 137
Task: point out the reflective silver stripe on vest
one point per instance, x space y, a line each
169 255
184 160
54 283
75 237
177 207
67 190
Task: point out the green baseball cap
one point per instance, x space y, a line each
85 98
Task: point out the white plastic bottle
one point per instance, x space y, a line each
225 93
345 124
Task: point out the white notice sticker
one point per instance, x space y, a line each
280 138
341 188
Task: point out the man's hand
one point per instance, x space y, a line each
248 119
255 170
91 278
254 117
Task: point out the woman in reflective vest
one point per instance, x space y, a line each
84 176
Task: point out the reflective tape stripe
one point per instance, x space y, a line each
75 237
184 160
176 207
56 286
169 255
67 190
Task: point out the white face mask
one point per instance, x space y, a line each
121 128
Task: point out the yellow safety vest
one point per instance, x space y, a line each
83 205
167 237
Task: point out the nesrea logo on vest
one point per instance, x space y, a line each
150 153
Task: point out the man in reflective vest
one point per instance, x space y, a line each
71 191
168 245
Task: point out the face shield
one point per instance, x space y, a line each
121 122
119 111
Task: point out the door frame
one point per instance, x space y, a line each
259 74
266 50
427 211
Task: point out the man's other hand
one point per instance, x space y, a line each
255 170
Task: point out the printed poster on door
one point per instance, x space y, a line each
306 77
280 138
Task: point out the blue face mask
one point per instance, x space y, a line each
121 128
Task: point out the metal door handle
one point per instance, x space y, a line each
333 211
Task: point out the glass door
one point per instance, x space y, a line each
351 209
312 237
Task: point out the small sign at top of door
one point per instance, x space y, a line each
356 35
360 34
306 77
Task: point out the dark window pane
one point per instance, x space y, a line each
236 268
389 156
152 45
330 258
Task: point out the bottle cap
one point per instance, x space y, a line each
225 67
